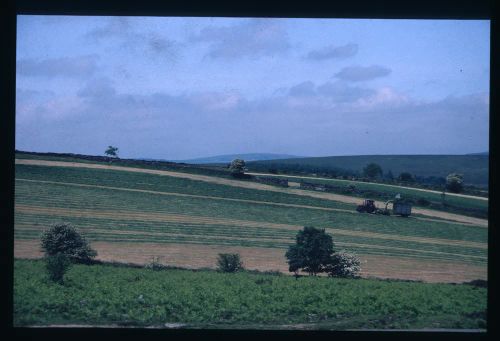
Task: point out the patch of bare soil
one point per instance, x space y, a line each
264 259
427 271
251 185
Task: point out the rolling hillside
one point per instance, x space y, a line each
132 214
230 157
473 167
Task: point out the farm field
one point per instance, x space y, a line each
246 184
473 167
216 172
124 296
118 207
469 206
456 203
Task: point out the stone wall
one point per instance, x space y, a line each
272 181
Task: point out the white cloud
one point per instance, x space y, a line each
312 119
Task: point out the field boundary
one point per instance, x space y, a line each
372 183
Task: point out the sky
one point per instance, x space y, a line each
179 88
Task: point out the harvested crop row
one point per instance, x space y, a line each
127 215
273 243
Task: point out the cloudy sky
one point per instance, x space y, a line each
180 88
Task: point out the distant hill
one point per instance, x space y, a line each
473 167
482 153
247 157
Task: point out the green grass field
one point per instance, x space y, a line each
105 294
61 196
455 204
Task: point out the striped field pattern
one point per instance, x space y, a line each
117 207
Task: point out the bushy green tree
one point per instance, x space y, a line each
454 182
63 238
311 252
237 167
406 177
112 151
56 266
372 170
229 262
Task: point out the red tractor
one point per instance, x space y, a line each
368 206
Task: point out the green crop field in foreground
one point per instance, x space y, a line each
105 294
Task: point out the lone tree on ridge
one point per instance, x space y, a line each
237 167
112 151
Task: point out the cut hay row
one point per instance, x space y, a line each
139 216
187 195
361 223
214 236
273 243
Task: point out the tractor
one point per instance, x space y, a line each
368 206
399 207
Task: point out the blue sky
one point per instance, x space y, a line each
180 88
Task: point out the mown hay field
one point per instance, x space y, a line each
139 210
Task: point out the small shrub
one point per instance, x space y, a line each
155 264
229 262
423 202
64 238
56 266
343 264
406 177
454 183
480 283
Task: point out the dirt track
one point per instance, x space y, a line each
265 259
251 185
378 184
